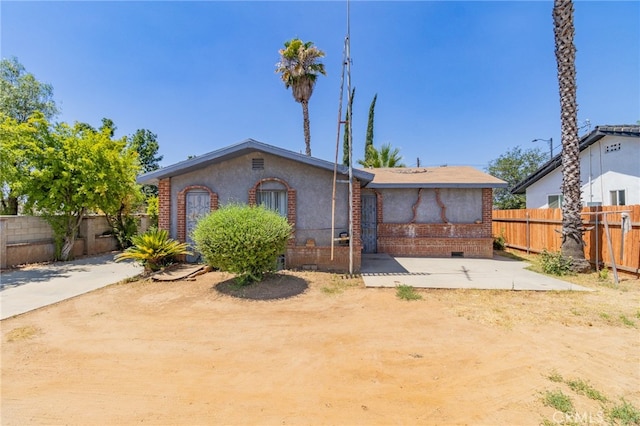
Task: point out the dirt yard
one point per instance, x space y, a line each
338 354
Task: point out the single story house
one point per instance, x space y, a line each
440 211
609 171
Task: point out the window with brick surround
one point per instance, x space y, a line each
275 200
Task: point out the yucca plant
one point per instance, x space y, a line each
154 249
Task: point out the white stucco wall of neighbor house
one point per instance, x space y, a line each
607 167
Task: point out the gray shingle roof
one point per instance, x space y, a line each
430 177
239 149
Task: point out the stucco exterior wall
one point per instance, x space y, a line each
459 205
233 179
435 222
612 163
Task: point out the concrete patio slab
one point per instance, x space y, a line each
499 273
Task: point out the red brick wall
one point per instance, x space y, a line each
439 239
302 257
164 204
436 247
357 219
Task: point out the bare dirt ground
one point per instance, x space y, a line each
337 354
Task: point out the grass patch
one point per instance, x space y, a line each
583 388
339 284
22 333
624 414
626 321
558 400
406 292
605 316
603 274
554 376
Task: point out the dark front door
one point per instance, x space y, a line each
369 225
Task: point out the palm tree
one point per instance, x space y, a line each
385 157
572 228
299 67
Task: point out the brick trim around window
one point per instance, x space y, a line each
291 202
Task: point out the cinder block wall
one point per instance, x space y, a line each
29 239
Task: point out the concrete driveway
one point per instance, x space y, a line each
33 287
499 273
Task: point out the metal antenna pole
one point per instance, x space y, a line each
335 164
349 127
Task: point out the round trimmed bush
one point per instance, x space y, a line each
242 240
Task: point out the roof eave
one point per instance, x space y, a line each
587 140
241 148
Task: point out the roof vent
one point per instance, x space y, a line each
257 163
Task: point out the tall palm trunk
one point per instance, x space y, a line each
572 228
305 124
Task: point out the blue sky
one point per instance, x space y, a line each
458 82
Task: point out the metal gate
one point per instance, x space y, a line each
369 225
198 205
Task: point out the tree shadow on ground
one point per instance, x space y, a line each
272 287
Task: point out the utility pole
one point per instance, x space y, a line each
550 140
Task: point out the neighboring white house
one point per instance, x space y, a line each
609 171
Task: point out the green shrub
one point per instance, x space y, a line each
154 249
153 210
125 228
603 274
242 240
555 263
499 243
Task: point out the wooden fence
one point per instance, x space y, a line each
534 230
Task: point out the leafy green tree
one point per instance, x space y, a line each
572 242
145 143
299 68
21 95
121 216
154 249
385 157
71 171
368 143
345 139
16 139
242 240
513 167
